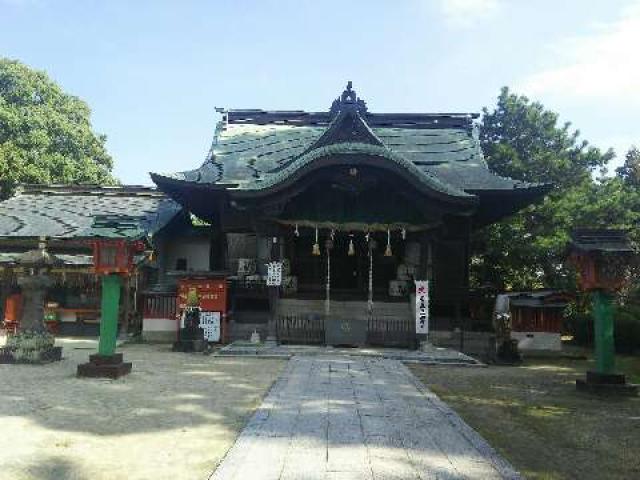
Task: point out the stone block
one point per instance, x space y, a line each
104 367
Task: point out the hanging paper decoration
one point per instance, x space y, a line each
388 252
332 234
327 301
296 232
352 250
404 234
316 246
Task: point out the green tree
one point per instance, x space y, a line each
45 133
522 140
630 171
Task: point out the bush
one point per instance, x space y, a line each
626 328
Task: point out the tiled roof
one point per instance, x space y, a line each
76 260
601 240
59 211
244 152
271 179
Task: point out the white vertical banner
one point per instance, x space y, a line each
422 306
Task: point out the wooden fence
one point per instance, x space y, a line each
160 306
391 332
302 329
309 329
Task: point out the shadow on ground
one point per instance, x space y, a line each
535 417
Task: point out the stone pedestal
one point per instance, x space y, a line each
504 352
607 384
104 366
191 337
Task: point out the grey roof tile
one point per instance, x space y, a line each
71 211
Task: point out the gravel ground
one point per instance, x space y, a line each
174 417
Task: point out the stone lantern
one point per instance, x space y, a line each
32 343
602 258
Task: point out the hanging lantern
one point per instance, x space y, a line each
316 246
115 256
352 250
388 252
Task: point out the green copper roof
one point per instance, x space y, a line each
255 150
58 211
269 180
252 156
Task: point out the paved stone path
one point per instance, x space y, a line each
428 354
353 418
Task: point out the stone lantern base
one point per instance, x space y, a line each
30 347
607 384
104 366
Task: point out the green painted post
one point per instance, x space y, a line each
109 314
603 322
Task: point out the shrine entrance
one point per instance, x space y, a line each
353 239
348 266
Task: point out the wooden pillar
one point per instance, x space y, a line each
274 292
126 307
5 287
218 248
109 314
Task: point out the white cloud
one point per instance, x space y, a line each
465 13
602 65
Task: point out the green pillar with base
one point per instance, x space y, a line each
111 285
107 363
604 379
604 339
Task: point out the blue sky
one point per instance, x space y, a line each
153 71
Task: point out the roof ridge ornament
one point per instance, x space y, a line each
348 101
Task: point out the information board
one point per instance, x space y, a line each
210 323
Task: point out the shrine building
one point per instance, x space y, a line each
351 205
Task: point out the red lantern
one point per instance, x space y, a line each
602 258
114 256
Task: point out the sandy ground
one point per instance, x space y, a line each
174 417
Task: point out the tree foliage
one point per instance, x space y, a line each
630 171
45 133
523 140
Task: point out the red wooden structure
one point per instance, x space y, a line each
115 256
212 294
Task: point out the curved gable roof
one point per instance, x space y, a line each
254 150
